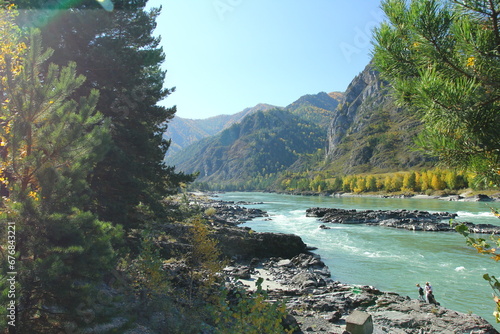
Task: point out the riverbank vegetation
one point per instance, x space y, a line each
436 181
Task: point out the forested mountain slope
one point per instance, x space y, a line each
263 143
185 131
318 108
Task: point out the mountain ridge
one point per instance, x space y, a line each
370 133
184 131
359 131
263 143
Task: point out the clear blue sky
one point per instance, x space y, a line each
226 55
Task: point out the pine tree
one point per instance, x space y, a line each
119 55
50 145
442 59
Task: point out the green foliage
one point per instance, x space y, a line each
51 142
251 313
442 60
119 56
149 281
409 182
490 247
210 211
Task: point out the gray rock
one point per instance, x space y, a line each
359 322
411 220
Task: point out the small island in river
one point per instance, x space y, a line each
415 220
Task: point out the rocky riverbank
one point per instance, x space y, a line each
414 220
316 303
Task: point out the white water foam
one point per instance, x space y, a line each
470 214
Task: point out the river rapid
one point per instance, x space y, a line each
386 258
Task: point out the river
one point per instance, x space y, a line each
386 258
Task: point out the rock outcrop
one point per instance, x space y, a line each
242 244
234 214
320 305
410 220
368 131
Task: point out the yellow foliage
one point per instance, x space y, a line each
205 258
471 61
33 195
12 48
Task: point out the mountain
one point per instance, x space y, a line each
318 108
263 143
185 131
361 130
370 133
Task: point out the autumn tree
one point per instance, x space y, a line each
371 183
441 57
204 259
360 185
437 182
410 181
424 182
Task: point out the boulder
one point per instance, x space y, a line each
305 280
246 244
359 322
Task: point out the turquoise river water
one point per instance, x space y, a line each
386 258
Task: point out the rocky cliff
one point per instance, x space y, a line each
369 132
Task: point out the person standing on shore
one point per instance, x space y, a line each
420 292
428 292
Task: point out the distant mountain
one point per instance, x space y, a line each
318 108
369 133
185 131
336 95
263 143
361 130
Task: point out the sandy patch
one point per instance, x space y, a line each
269 283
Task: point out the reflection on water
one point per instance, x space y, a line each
389 259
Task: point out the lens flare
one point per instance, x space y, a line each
51 10
106 4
